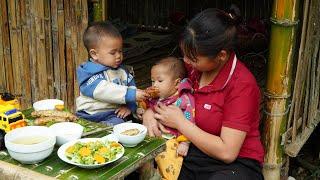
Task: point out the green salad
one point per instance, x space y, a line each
95 152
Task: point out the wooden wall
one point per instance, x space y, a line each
40 48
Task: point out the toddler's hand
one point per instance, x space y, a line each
183 148
141 95
122 112
140 112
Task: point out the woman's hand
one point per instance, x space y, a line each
151 123
122 112
170 116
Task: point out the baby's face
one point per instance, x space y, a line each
164 81
109 52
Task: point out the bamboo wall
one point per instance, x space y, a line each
40 48
305 107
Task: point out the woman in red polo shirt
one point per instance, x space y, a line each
225 140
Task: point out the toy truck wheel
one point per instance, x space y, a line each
2 133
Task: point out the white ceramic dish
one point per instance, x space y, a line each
47 104
66 131
62 156
126 140
30 153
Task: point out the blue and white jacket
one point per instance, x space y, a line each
104 88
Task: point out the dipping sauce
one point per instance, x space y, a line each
29 140
131 132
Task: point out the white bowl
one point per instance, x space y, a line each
47 104
66 131
126 140
30 153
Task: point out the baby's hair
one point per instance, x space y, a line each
96 31
174 66
209 32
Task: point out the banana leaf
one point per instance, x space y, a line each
132 159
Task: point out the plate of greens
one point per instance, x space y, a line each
90 152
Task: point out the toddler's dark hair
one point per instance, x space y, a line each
209 32
175 66
96 31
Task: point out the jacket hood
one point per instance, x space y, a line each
88 69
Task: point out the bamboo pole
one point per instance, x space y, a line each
3 84
278 88
55 48
81 24
16 46
6 46
26 98
33 54
48 49
74 50
298 83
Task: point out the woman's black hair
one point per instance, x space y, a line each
209 32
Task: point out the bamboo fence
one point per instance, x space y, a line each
40 48
305 109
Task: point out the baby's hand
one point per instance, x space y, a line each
141 95
140 112
183 148
123 112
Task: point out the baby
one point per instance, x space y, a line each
108 92
167 76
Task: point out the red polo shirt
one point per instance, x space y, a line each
230 102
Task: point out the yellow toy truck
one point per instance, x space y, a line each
10 117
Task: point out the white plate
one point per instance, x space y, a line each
47 104
62 156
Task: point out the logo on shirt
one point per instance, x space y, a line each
207 106
93 78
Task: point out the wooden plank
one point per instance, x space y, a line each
16 46
317 95
33 53
312 109
69 54
26 98
55 47
7 47
41 64
48 49
61 83
293 148
297 83
3 84
81 24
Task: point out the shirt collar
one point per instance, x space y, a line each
223 76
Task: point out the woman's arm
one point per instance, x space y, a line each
151 123
225 148
154 127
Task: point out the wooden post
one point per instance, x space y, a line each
284 20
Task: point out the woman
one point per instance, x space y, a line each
225 140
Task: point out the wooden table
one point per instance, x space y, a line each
53 167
